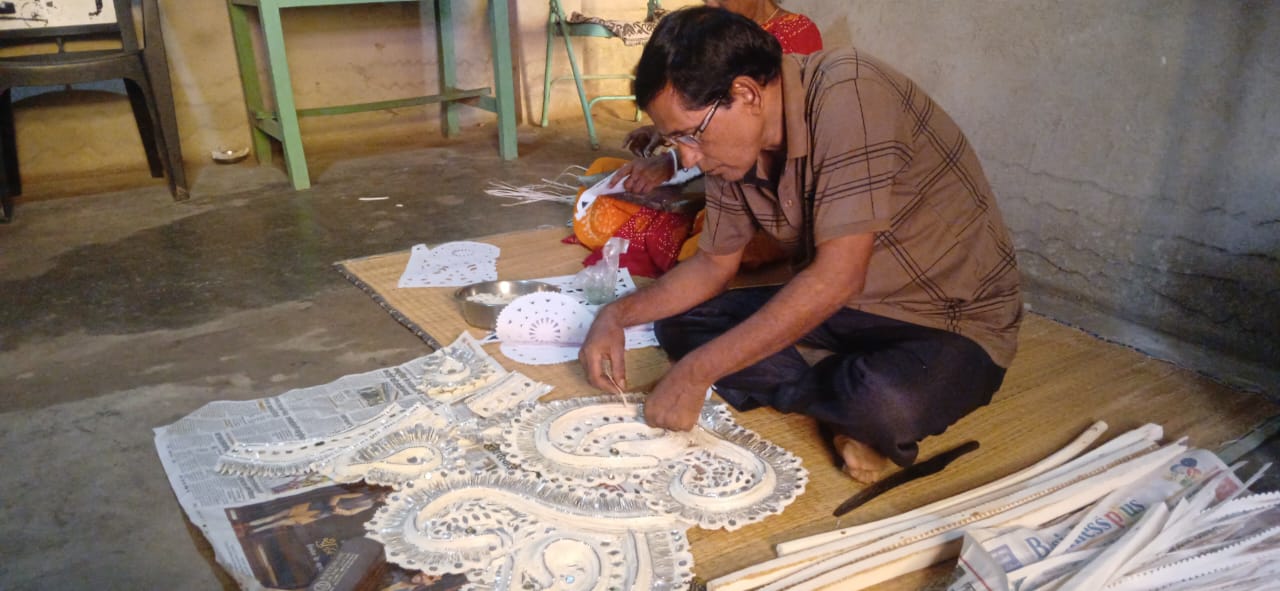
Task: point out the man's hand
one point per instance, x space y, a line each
643 141
677 400
604 353
646 174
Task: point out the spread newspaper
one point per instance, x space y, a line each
280 533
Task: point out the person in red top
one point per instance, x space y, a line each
794 31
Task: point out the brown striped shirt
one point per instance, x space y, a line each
877 155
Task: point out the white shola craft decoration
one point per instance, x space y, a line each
718 475
451 264
458 369
396 445
517 531
570 494
543 328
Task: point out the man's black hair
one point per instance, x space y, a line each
699 51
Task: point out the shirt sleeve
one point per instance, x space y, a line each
859 150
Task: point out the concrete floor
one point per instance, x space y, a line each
124 311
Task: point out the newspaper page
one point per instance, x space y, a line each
279 533
988 555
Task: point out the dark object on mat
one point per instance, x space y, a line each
918 470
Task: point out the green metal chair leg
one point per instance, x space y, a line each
546 77
248 67
582 92
295 160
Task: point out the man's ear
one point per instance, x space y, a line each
747 92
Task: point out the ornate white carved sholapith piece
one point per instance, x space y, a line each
398 457
395 446
505 394
719 475
510 531
459 369
573 494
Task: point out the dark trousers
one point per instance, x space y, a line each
888 384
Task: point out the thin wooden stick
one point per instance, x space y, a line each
1071 450
889 533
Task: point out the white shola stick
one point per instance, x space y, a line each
861 568
1071 450
936 538
835 543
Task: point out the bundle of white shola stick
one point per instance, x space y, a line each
1131 514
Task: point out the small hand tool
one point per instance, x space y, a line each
918 470
608 373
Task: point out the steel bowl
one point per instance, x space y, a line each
482 302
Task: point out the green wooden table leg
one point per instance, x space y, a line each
503 87
446 60
577 80
295 160
248 66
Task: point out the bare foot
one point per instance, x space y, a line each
861 463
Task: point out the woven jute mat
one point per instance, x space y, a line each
1061 381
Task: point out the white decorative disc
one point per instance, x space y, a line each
543 328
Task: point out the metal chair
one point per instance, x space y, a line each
558 25
144 69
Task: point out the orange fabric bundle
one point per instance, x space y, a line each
655 236
607 214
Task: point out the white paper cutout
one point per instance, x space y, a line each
400 444
522 532
719 475
487 487
505 394
540 333
335 455
543 328
406 454
451 264
459 369
640 336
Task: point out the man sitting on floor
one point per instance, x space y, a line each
905 271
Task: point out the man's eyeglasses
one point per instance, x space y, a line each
692 139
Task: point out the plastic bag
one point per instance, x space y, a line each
599 281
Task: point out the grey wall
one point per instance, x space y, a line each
1134 147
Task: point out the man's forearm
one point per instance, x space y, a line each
688 284
805 302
